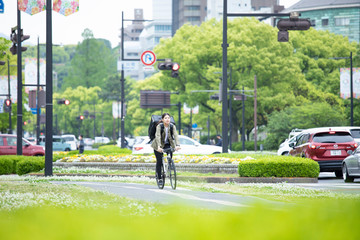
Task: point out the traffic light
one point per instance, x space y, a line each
294 23
63 101
13 38
25 123
81 117
7 105
173 66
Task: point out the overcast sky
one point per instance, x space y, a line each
102 17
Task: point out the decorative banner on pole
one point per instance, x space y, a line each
345 83
195 110
4 87
66 7
31 72
32 6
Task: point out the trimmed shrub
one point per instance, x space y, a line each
279 166
29 165
6 166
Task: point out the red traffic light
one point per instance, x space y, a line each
67 102
81 117
7 102
25 123
175 66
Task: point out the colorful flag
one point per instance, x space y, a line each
66 7
31 6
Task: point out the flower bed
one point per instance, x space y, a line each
207 159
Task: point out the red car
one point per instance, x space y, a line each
327 147
8 146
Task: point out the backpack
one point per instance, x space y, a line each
155 120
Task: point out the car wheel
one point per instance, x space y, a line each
216 152
67 149
285 154
338 174
345 173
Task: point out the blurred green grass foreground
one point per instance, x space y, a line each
41 210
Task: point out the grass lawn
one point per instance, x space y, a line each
34 208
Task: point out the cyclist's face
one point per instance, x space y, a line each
166 119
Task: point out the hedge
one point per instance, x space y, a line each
14 164
278 166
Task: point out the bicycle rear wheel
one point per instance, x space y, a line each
172 173
161 184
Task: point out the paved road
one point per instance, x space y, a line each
218 201
328 181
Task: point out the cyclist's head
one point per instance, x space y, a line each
165 118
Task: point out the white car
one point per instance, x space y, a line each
284 147
102 140
188 146
71 139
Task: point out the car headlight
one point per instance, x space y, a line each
43 147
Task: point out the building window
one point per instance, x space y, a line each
157 40
324 22
194 8
342 21
193 19
162 28
132 54
313 22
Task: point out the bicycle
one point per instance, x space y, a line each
167 169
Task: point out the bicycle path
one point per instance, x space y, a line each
181 196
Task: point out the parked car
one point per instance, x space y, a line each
351 166
88 141
102 140
71 139
188 146
59 143
326 146
284 147
8 146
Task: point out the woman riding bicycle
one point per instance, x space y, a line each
166 136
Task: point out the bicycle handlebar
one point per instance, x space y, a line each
170 149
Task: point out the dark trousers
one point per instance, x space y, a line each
159 157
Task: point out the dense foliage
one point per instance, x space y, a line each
297 81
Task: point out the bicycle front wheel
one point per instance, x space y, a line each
172 175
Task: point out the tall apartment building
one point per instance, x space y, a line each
192 12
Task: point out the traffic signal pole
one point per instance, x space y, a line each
49 93
225 45
19 128
9 96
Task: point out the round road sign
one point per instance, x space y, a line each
148 58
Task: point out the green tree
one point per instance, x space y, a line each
92 62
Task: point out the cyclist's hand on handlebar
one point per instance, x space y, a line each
177 148
160 149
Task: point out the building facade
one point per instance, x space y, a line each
337 16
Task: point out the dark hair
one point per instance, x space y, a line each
164 114
80 135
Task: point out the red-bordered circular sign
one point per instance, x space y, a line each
148 58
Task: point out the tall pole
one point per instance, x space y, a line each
9 94
122 83
351 93
19 128
37 95
179 112
49 93
243 119
122 109
230 111
224 86
255 113
94 121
